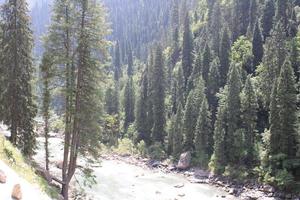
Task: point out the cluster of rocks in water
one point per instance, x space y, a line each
16 193
245 191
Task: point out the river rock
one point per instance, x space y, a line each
179 185
184 161
2 177
59 164
267 189
44 173
17 192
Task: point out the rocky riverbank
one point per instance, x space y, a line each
250 190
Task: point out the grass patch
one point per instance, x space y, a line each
13 158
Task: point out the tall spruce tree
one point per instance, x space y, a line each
158 98
203 135
224 56
215 28
257 46
129 100
141 110
191 113
17 65
249 108
187 51
267 18
177 133
47 76
206 59
233 135
85 135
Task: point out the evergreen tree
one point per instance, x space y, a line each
267 18
17 98
216 27
257 46
253 16
294 57
141 110
218 160
47 76
129 61
287 98
233 136
177 133
203 135
224 56
129 100
175 34
249 116
191 113
187 51
158 130
241 18
85 136
206 59
117 63
213 86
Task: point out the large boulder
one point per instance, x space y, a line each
2 177
184 161
59 164
44 173
17 192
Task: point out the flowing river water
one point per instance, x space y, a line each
117 180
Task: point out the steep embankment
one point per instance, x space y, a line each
17 171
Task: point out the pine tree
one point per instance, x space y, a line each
216 27
175 34
58 43
267 18
206 59
141 110
224 56
191 113
257 46
281 12
253 16
178 133
158 130
130 61
294 57
47 76
203 135
117 63
218 160
129 100
213 86
17 63
85 135
241 18
287 98
233 135
187 51
249 117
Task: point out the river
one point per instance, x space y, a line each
121 181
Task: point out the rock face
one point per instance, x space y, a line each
2 177
184 161
17 193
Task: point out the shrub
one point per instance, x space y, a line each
125 147
156 151
141 148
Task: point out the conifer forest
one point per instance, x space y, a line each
211 85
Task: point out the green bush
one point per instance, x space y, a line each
141 148
236 172
284 179
156 151
125 147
